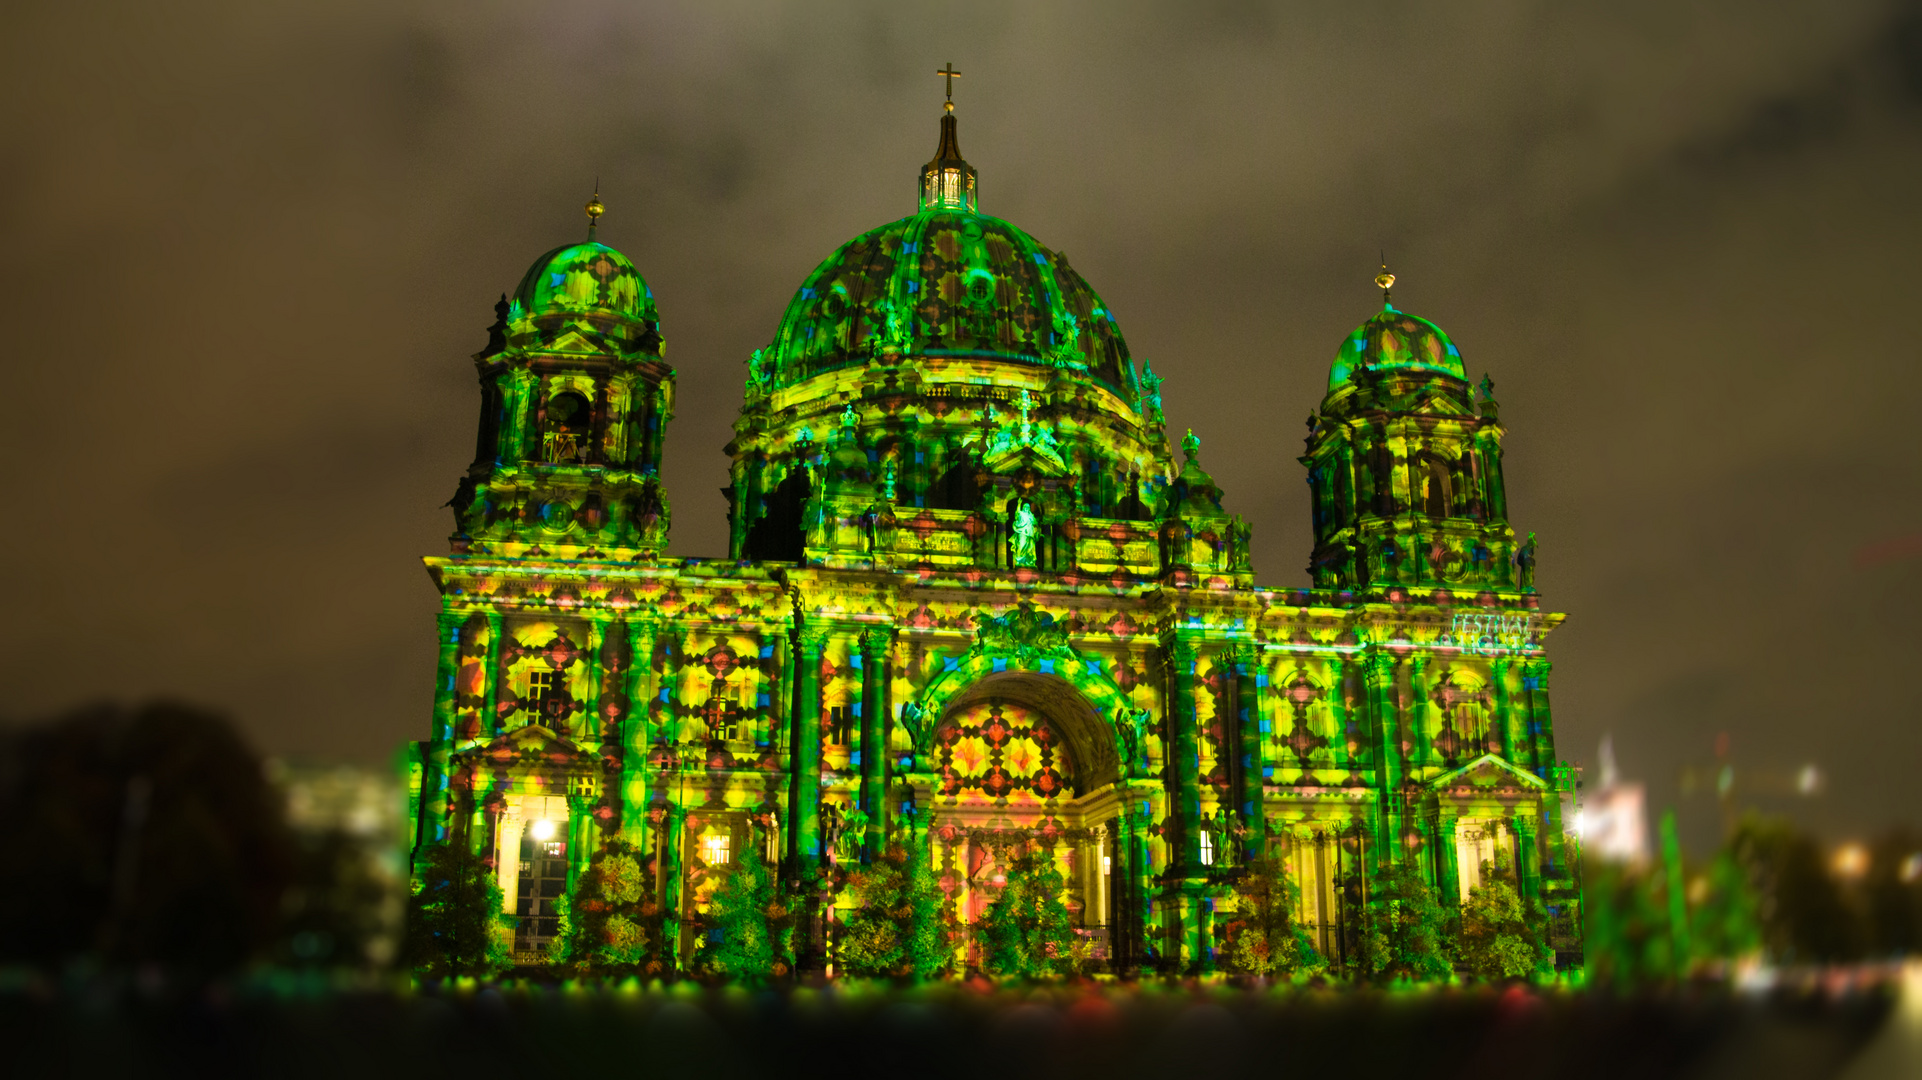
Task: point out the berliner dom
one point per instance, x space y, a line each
974 610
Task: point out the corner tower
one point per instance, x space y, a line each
1404 464
575 400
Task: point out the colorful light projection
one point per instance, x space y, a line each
974 606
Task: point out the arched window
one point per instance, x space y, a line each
567 425
1438 488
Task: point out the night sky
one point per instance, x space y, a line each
250 248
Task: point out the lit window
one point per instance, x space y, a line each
715 849
1207 848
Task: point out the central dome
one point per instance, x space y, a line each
947 281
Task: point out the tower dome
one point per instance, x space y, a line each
585 279
1396 341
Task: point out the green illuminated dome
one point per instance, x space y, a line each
585 279
585 296
1396 341
948 281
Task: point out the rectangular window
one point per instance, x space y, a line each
547 697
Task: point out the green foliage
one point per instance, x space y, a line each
613 926
750 930
1503 937
1264 938
1725 916
898 928
1026 933
1627 942
454 922
1404 931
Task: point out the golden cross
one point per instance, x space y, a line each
950 74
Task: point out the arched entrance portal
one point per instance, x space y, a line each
1021 761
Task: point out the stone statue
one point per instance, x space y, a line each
1525 564
1024 532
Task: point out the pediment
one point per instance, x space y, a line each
1043 460
531 742
1489 772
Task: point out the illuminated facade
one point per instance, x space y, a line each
973 602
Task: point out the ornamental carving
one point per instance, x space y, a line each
1025 632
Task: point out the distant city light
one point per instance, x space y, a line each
1808 781
1912 868
1851 860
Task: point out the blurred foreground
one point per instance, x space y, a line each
854 1030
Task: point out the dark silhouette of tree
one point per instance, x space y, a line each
145 837
1805 917
455 925
334 912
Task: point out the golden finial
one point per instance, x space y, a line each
594 209
950 75
1384 280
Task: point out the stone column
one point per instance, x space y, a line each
1542 733
1504 723
1184 754
1379 671
1418 715
873 745
1447 859
590 719
634 734
435 781
497 682
1338 708
1527 855
509 870
805 836
1253 765
1541 751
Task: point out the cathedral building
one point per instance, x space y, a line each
973 602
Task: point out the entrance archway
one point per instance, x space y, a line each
1022 762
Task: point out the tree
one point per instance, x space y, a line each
1403 927
615 926
751 937
337 911
1503 937
155 840
897 929
1725 920
1264 938
1026 933
455 925
1892 894
1804 916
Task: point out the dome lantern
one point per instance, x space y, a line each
947 181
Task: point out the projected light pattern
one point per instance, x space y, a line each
974 606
